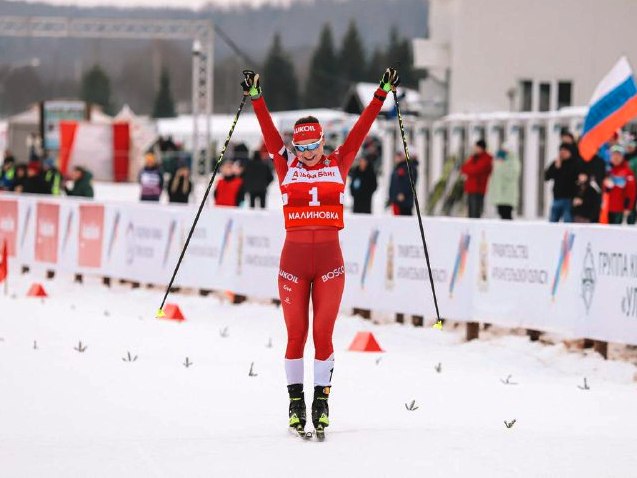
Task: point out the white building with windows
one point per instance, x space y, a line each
518 71
525 55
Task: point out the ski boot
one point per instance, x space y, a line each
320 411
297 409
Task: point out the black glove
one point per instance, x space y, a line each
390 80
250 84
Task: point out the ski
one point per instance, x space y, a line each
320 433
301 433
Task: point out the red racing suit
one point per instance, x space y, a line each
311 261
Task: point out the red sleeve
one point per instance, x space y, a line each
272 138
347 152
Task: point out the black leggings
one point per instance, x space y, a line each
505 212
261 196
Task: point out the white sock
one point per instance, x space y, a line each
294 370
323 372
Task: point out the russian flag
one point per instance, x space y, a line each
614 104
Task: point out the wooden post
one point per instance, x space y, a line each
601 348
473 330
238 299
135 285
364 313
534 335
417 320
400 318
79 279
50 274
106 281
25 269
204 292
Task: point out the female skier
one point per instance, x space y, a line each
312 187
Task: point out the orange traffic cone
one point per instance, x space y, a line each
172 312
36 290
365 342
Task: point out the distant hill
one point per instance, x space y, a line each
63 60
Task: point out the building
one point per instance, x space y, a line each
525 55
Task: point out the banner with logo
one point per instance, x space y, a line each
9 224
524 275
90 235
606 291
47 232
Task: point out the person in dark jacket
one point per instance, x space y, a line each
151 179
82 186
563 171
362 186
586 200
34 183
180 184
595 169
229 190
401 197
257 176
20 177
477 169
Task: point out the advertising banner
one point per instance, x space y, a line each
9 224
90 235
47 232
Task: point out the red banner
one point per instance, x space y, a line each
47 233
9 224
91 236
121 147
67 138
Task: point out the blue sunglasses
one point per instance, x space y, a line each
307 147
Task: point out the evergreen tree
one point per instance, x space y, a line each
164 106
377 65
319 90
399 55
96 88
279 80
351 58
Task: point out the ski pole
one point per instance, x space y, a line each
160 312
422 230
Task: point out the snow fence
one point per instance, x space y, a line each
575 280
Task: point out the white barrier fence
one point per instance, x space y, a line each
579 281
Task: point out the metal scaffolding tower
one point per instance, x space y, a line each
200 32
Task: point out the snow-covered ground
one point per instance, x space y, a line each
65 414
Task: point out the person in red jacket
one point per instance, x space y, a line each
313 191
477 170
620 186
229 190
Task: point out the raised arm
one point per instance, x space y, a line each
271 136
356 136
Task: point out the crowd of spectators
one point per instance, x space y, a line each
40 175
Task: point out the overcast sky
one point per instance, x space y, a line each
161 3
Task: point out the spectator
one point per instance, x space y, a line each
477 169
180 184
82 183
34 182
596 171
52 176
229 190
151 179
401 197
620 186
587 199
504 185
34 145
363 184
7 174
631 153
257 176
20 178
563 172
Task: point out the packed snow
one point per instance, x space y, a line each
128 406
